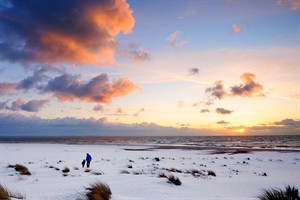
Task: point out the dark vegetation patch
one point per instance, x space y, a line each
6 194
98 191
211 173
21 169
289 193
174 180
66 170
97 173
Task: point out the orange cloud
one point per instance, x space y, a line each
236 28
99 89
249 88
77 32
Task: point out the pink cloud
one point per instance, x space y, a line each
237 28
7 87
173 40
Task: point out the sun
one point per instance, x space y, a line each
240 131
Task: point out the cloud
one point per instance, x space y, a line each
288 122
223 111
7 87
193 71
222 122
217 90
173 40
69 87
19 104
16 124
249 88
283 127
77 32
98 108
139 111
37 76
34 105
180 104
209 102
204 111
294 4
236 28
134 52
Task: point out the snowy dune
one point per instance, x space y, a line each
132 172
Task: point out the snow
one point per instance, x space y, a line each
238 176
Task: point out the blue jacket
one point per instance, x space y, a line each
88 157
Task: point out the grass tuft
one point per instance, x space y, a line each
20 168
174 180
66 170
98 191
211 173
290 193
5 194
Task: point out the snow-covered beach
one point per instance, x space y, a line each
133 172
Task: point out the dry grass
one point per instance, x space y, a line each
98 191
174 180
5 194
290 193
66 170
21 169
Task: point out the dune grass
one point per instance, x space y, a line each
6 194
21 169
174 180
289 193
98 191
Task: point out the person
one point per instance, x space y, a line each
88 160
83 163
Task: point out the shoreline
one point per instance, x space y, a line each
150 147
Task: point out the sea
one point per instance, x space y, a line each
282 142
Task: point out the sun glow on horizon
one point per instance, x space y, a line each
240 131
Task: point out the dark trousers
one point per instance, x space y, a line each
88 164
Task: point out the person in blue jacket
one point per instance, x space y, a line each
88 160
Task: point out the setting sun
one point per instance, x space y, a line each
240 131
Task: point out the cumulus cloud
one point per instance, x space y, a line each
77 32
20 104
249 88
37 76
294 4
223 111
98 108
288 122
7 87
173 40
193 71
217 90
99 89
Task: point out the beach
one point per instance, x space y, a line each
136 172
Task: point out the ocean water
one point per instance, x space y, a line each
288 142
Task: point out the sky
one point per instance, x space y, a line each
162 67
